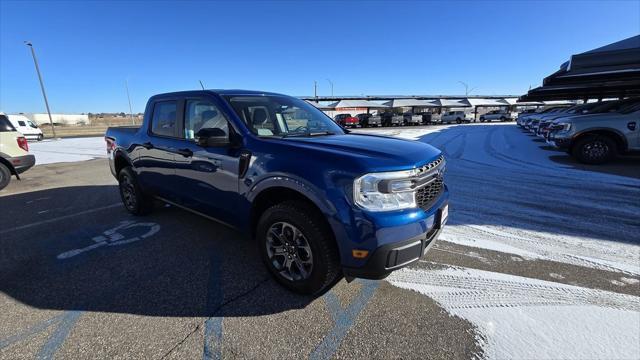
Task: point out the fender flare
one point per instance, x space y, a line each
119 153
12 169
294 183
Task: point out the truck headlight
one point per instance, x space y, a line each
564 126
385 191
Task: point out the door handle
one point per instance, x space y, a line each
147 145
185 152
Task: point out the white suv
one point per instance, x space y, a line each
456 116
501 115
14 152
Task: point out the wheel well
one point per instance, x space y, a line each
272 196
619 140
120 163
8 165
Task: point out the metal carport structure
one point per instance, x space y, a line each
611 71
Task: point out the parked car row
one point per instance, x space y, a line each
593 133
407 118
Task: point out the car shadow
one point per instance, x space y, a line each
170 263
627 165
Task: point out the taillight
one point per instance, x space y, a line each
22 143
111 144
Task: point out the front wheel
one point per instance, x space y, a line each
40 137
594 149
458 121
298 248
134 200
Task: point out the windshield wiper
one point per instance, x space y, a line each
309 134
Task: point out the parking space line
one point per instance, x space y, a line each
343 319
64 217
56 339
212 348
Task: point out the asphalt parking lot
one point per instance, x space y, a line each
530 240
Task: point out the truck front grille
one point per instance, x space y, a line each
427 195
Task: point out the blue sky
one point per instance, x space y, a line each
87 49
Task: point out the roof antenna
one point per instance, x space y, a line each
201 85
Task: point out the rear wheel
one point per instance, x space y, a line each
594 149
5 176
458 121
40 137
297 247
134 200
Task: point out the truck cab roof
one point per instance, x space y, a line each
221 92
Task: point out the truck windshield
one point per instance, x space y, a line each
282 116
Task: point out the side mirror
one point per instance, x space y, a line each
212 137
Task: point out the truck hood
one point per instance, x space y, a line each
376 153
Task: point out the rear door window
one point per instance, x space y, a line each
22 123
163 122
5 124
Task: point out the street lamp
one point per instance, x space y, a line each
466 88
44 94
331 83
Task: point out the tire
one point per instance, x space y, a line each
325 261
133 199
40 137
594 149
5 176
503 119
458 121
481 119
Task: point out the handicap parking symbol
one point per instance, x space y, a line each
114 237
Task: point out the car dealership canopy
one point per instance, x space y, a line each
611 71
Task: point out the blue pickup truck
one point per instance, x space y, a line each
320 202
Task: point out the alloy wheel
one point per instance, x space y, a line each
596 150
128 192
289 251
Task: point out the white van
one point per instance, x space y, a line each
28 128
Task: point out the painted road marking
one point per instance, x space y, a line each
212 348
343 318
65 321
112 237
48 221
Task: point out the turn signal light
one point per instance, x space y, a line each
359 254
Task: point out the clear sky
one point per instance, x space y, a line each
87 49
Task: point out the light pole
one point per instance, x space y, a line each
126 85
331 83
466 88
315 89
44 94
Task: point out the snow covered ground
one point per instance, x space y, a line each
524 318
68 150
509 195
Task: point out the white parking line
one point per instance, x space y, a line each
48 221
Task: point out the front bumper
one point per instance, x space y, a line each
560 142
22 163
398 254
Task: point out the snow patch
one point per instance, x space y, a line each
524 318
68 150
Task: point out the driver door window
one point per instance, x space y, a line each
202 114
